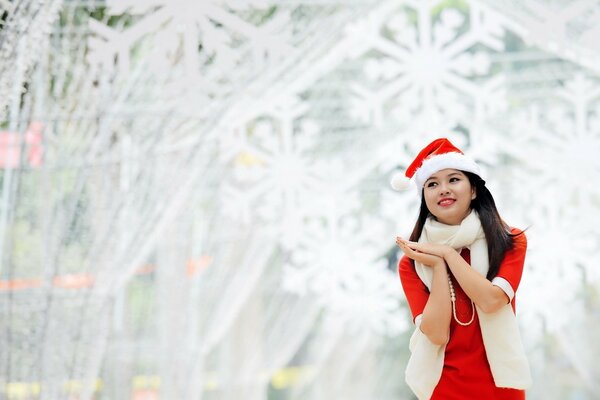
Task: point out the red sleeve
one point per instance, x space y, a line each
511 267
414 289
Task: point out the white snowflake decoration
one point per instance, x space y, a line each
428 66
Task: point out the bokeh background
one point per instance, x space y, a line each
195 202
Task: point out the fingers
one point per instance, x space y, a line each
404 247
411 250
400 242
408 242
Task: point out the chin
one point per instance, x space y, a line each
448 219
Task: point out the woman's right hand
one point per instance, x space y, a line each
429 260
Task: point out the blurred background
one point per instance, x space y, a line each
195 199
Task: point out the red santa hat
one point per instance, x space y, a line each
436 156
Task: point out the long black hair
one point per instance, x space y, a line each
497 233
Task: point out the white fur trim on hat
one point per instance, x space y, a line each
447 160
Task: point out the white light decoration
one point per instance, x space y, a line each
195 201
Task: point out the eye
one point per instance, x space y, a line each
431 184
454 179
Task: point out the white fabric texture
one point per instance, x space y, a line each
501 338
505 286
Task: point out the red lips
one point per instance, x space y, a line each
446 201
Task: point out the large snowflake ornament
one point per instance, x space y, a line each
558 265
553 149
426 63
566 146
340 261
273 169
568 29
173 31
373 303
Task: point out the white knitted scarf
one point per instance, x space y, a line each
499 329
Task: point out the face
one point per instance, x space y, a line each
448 194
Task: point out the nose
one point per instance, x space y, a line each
444 188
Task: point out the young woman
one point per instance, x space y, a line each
461 268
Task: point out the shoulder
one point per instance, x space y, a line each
405 263
519 238
513 262
411 283
405 266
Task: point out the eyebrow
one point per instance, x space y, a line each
449 175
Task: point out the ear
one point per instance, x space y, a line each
473 193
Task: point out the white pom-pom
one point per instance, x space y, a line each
399 181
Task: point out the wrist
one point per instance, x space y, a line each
448 252
440 264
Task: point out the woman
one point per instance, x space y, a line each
461 268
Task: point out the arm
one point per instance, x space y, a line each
487 296
437 310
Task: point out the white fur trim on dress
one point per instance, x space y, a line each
447 160
505 286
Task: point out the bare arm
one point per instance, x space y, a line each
485 295
435 322
438 310
488 297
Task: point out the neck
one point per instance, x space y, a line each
453 221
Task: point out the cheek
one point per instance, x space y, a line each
429 200
467 194
432 206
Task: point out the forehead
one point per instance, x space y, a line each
446 173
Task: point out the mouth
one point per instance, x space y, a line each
446 202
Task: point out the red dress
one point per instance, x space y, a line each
466 374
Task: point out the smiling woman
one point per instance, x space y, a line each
461 268
448 195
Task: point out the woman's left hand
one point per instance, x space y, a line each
439 250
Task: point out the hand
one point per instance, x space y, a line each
429 260
439 250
